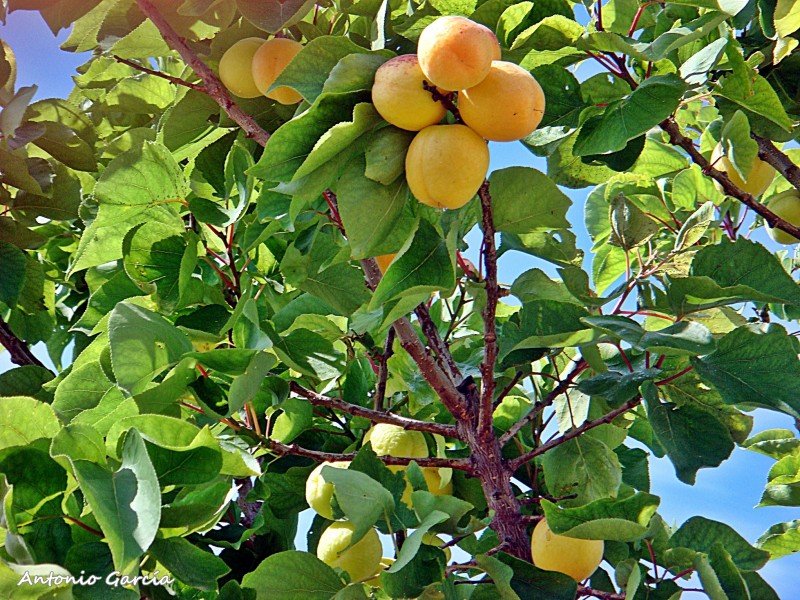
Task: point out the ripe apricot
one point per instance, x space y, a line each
506 106
446 164
400 98
572 556
758 179
787 206
456 53
235 71
384 260
269 61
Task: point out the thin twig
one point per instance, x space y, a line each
507 390
176 80
573 433
769 153
587 591
383 372
376 416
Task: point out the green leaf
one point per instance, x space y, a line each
362 499
377 217
783 487
695 227
83 388
649 104
291 143
700 534
293 575
309 353
775 443
693 438
414 541
782 539
620 520
24 420
273 17
743 367
763 101
425 266
543 323
385 154
786 17
354 72
35 579
737 144
617 388
190 564
630 227
153 256
26 381
584 466
12 273
297 416
684 337
244 387
79 442
511 210
138 186
339 137
425 568
126 503
309 70
530 582
142 343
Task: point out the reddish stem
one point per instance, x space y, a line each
673 377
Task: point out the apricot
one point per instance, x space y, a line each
787 206
758 179
235 71
268 62
506 106
446 165
384 260
456 53
572 556
400 98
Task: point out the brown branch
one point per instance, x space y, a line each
587 591
461 464
383 372
489 312
213 86
731 189
376 416
176 80
20 352
507 390
573 433
768 152
434 339
429 369
562 387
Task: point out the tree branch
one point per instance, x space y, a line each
429 369
573 433
212 85
587 591
489 312
20 353
768 152
383 372
176 80
461 464
436 343
376 416
562 387
678 139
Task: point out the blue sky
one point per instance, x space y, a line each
728 493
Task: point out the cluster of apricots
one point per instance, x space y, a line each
458 62
250 66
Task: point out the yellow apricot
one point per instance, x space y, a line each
758 179
446 164
400 98
384 260
269 61
572 556
235 68
506 106
361 560
787 206
456 53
